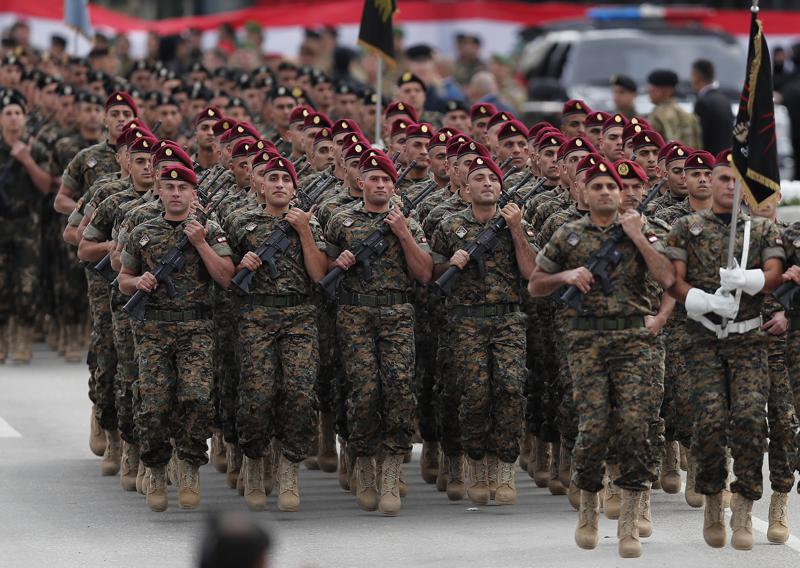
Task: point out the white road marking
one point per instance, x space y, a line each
7 431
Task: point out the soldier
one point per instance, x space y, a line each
295 133
488 333
413 90
345 101
457 116
415 149
646 145
174 341
207 152
512 142
668 118
375 327
608 340
20 238
676 181
168 113
280 313
279 106
479 115
728 360
611 141
493 127
623 91
594 126
573 118
322 92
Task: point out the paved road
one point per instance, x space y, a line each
56 509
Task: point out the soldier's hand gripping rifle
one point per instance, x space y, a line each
373 246
487 239
33 133
173 261
277 242
606 257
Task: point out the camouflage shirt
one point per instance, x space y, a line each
501 282
434 199
573 243
23 197
674 212
791 246
333 205
250 230
137 215
674 123
389 272
405 186
451 205
662 202
554 221
147 246
101 227
701 241
559 202
87 165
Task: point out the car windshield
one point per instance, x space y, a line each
593 60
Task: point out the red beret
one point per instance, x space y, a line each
439 139
551 139
699 160
181 173
482 110
641 121
171 152
512 128
222 126
345 125
667 148
499 118
208 113
575 144
143 145
243 148
355 150
354 138
299 113
544 132
377 161
630 131
121 98
263 157
724 158
677 153
317 120
647 138
422 130
400 108
596 118
485 162
603 168
450 131
615 121
138 123
575 106
399 126
323 135
587 162
283 165
454 144
261 144
129 135
627 169
538 127
472 147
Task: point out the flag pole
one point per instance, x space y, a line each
378 102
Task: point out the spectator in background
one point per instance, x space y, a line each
420 63
233 541
21 34
508 88
483 89
468 61
623 91
253 36
227 38
58 48
779 73
121 49
790 93
712 107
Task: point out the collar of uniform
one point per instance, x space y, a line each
112 146
586 222
709 214
362 207
470 216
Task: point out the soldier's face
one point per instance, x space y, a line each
623 98
140 166
308 139
225 153
595 135
257 180
573 125
67 113
439 163
287 77
377 186
514 147
116 118
647 157
698 183
602 195
352 172
239 114
462 167
627 148
676 177
416 148
457 119
723 183
296 137
205 135
367 119
413 94
12 119
346 106
479 128
491 137
91 115
611 146
280 111
48 99
278 188
177 196
170 117
484 187
548 164
254 98
241 170
632 193
194 106
571 161
322 157
398 144
323 95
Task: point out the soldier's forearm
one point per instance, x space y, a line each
64 203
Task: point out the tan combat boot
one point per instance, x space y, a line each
538 467
288 485
233 465
670 476
401 481
366 491
554 483
390 485
492 465
344 466
613 497
327 458
645 516
268 469
478 490
172 468
525 451
456 488
586 533
312 462
693 498
429 461
726 493
22 350
73 344
714 531
741 522
188 485
140 487
573 493
506 493
628 526
442 471
129 466
110 463
97 438
684 460
564 463
254 495
156 489
219 458
778 532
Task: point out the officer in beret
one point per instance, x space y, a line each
668 118
623 91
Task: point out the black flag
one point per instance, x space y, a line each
755 152
376 28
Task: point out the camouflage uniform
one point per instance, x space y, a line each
607 344
488 343
791 243
174 345
375 328
730 376
666 201
434 199
560 200
674 123
278 343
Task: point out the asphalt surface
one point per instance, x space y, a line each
56 509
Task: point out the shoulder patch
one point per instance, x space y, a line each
348 221
696 229
91 162
530 231
222 239
796 243
461 232
250 226
573 239
144 240
779 241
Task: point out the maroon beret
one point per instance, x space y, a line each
323 135
603 168
677 153
243 148
627 169
355 150
482 110
454 144
317 120
667 148
282 165
647 138
550 139
121 98
615 121
377 161
587 162
538 127
401 108
641 121
724 158
143 145
699 160
512 128
208 113
472 147
400 126
222 126
485 162
575 106
345 125
263 157
596 118
439 138
575 144
262 144
631 130
422 130
182 173
299 113
170 151
499 118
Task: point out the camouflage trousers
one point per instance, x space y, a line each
425 315
539 363
105 354
20 249
567 417
447 395
489 358
729 394
781 418
377 349
613 394
70 287
226 365
276 397
676 410
127 369
793 362
175 380
331 386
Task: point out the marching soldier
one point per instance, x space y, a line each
667 118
